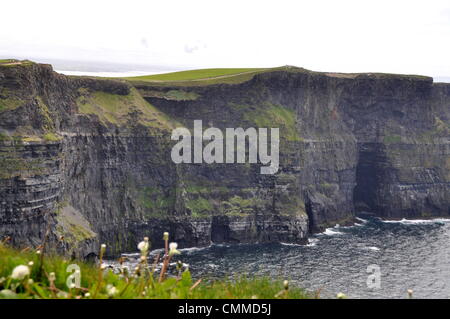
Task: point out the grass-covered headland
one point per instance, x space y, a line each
31 273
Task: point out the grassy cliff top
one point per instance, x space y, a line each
201 74
14 62
200 77
203 77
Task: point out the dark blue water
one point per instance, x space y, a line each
410 255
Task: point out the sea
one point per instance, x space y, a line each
374 258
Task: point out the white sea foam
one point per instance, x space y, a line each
312 242
131 255
189 249
362 220
331 232
373 248
291 244
418 221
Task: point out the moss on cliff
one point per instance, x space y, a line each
51 137
72 228
172 95
8 101
392 139
43 110
199 207
268 115
12 164
237 206
7 104
120 109
156 200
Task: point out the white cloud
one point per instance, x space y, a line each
350 36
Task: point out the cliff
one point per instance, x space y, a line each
89 158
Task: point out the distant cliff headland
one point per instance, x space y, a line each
89 158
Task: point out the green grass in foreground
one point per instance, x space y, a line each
46 277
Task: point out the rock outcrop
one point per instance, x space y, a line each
88 160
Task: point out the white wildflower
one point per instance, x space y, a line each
8 294
62 294
31 264
111 290
173 249
341 296
51 276
286 284
410 293
20 272
143 246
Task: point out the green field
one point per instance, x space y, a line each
14 62
202 74
200 77
4 61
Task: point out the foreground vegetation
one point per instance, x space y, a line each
30 273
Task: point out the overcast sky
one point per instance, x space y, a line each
348 36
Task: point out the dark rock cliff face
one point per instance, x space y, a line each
89 159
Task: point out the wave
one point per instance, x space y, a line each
373 248
417 221
191 249
362 220
291 244
312 242
331 232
